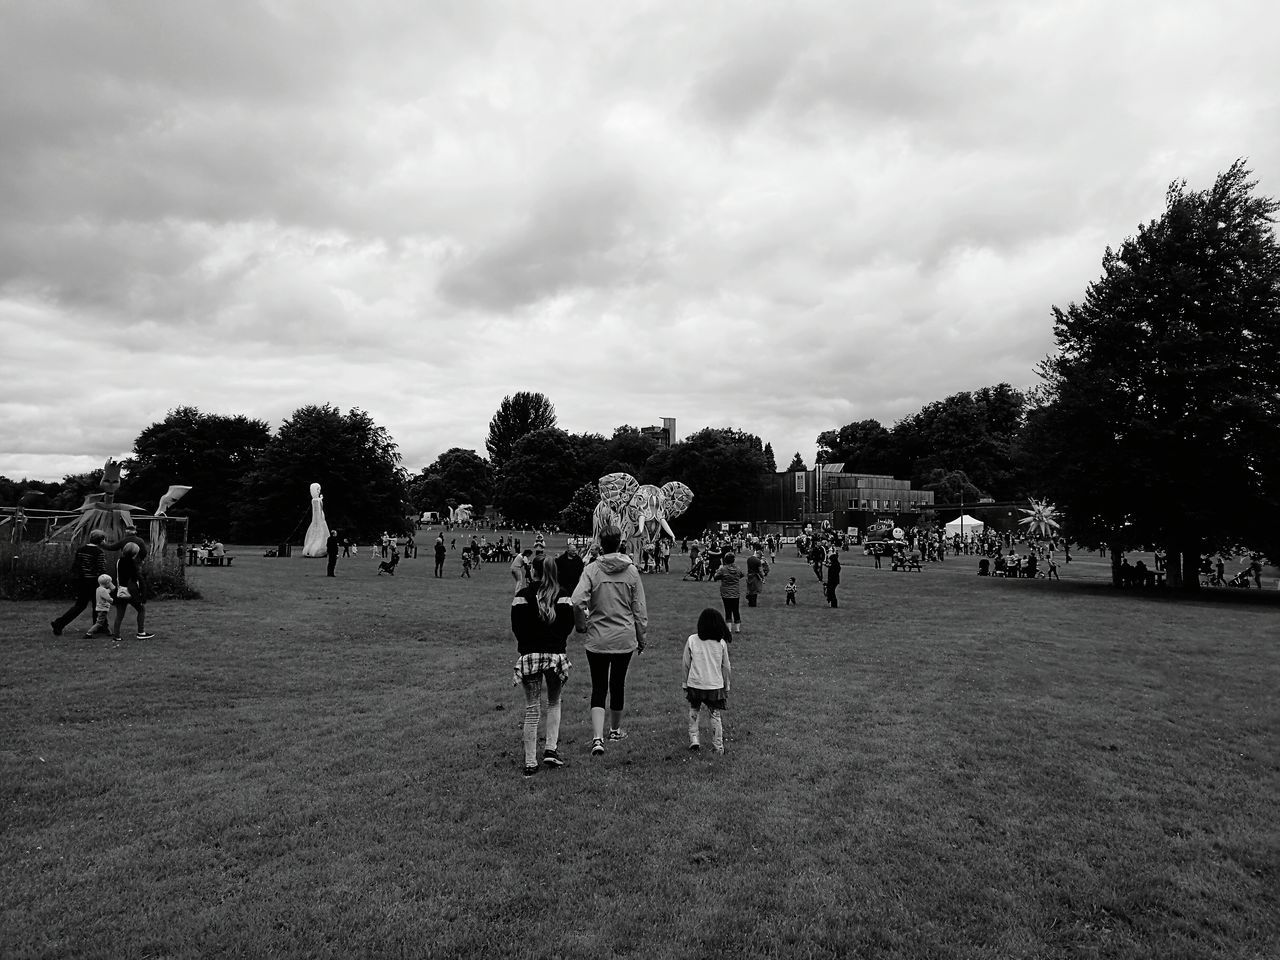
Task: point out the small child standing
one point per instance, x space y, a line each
730 576
101 605
466 562
791 591
707 676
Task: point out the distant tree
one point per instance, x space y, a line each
353 459
952 487
209 452
797 463
577 517
973 432
537 480
460 475
76 486
628 451
864 446
770 462
518 415
1164 419
725 469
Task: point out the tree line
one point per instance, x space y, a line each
1156 421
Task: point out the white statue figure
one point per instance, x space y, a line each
316 543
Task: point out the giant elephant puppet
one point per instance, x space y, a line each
640 512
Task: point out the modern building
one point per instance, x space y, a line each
664 435
844 498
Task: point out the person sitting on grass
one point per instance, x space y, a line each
541 620
707 676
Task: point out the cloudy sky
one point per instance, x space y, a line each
780 217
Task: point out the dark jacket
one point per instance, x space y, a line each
833 572
533 634
331 545
89 562
129 574
569 570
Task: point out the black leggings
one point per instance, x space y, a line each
608 674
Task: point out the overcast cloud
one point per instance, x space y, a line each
777 217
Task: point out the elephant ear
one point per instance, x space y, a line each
678 498
617 489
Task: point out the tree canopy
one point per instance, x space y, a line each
1162 420
457 476
539 477
353 459
725 469
211 453
517 415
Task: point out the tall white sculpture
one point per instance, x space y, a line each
316 543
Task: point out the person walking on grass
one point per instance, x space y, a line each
88 564
707 676
101 606
441 552
833 578
730 576
331 552
609 607
131 591
757 570
541 620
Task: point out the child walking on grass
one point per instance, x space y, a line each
707 676
730 576
101 605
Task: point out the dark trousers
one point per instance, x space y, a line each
751 599
791 599
84 598
333 562
439 568
608 676
831 595
731 614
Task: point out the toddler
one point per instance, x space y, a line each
707 676
101 605
466 562
791 591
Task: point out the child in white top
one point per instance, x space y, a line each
707 676
101 605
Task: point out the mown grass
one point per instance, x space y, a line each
946 766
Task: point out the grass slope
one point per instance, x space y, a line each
946 766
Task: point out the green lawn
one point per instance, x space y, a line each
946 766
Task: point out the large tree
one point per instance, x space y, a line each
864 446
353 459
539 477
1163 419
209 452
725 469
517 416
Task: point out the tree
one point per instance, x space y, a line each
724 468
353 459
1163 418
577 517
865 446
628 451
797 463
538 479
209 452
462 476
518 415
770 461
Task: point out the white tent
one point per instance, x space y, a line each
971 525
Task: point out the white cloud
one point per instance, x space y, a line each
779 219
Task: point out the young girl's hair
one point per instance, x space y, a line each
548 588
711 626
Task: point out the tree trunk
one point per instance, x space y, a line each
1191 570
1173 569
1115 561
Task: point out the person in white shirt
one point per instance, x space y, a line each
707 676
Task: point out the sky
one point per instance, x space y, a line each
779 217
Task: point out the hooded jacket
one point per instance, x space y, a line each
609 605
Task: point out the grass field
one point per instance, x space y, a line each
946 766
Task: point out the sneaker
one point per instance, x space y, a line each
116 637
618 734
597 747
145 636
695 747
530 770
57 630
552 758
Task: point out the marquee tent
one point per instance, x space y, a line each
971 525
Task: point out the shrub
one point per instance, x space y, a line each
42 571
